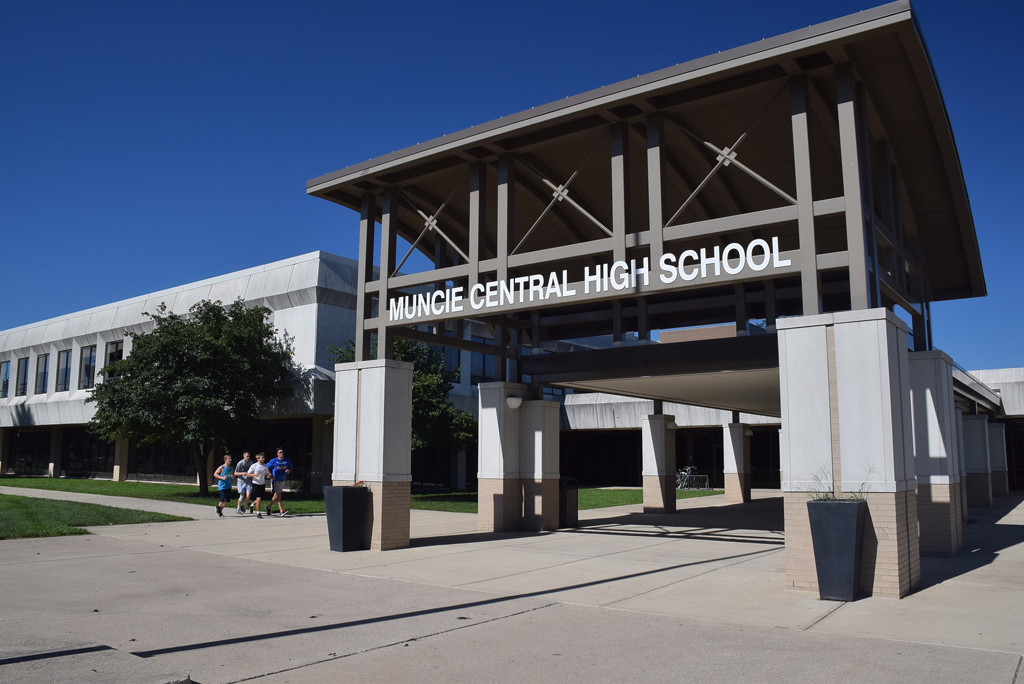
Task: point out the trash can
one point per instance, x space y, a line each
348 518
568 502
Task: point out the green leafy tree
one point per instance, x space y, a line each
436 422
194 379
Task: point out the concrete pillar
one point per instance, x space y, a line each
538 463
658 437
979 468
963 461
845 391
936 453
120 460
322 456
997 459
372 442
56 467
499 490
736 459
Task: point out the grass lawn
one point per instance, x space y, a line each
458 502
22 516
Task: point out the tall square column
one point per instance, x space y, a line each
538 463
372 442
979 468
56 467
658 437
499 490
936 453
997 459
121 447
845 392
736 462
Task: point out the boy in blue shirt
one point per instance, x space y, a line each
279 467
223 476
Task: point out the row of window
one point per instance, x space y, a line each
86 370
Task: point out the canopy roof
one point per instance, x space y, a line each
714 99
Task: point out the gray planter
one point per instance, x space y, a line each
837 529
348 518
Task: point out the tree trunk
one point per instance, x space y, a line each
204 477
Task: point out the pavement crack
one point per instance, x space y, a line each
392 644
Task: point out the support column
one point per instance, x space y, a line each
845 391
736 459
936 453
997 459
659 463
961 455
979 468
121 460
372 442
499 490
56 445
538 463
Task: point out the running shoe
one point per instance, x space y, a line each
284 513
219 512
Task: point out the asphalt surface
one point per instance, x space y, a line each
695 596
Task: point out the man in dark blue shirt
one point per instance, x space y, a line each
280 467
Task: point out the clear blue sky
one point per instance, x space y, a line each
145 145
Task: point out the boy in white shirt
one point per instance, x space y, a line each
258 472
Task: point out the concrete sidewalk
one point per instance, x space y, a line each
695 595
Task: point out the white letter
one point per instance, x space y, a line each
553 289
507 292
436 309
776 262
395 309
645 271
536 286
668 271
474 296
738 248
713 260
620 275
492 294
688 254
587 279
566 292
750 255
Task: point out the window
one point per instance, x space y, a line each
42 372
63 370
87 370
115 352
21 388
5 378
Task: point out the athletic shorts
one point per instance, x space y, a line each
278 486
244 486
225 495
258 490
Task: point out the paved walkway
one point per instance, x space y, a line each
695 595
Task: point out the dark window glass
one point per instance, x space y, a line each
63 370
87 371
5 378
42 372
115 352
21 388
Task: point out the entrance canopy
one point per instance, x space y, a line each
808 173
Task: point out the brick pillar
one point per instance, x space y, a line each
979 468
372 442
936 453
121 460
736 459
844 380
499 490
538 463
997 459
658 437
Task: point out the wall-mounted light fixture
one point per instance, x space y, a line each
513 402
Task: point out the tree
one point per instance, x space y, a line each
194 379
436 422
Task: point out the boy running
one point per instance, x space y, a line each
244 483
223 475
280 466
258 472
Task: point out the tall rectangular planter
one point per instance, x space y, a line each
837 528
348 518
